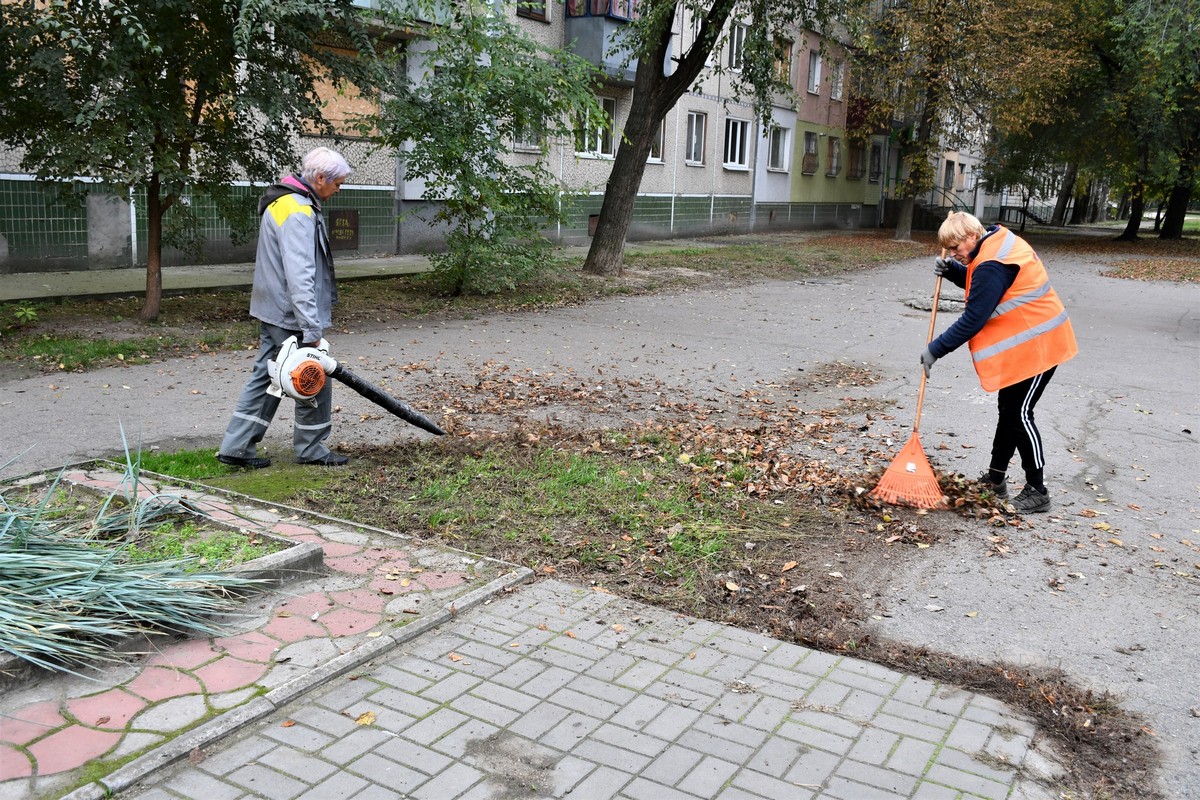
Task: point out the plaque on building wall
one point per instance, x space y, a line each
343 229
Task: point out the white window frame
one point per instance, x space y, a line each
737 46
814 72
599 140
736 154
693 151
777 148
836 80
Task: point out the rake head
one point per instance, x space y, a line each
909 480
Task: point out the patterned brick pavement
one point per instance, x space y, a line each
556 691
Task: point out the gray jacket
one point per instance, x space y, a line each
294 285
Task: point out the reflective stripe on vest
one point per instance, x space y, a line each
1017 302
1020 338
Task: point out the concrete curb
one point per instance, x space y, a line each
261 707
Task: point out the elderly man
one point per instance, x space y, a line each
293 295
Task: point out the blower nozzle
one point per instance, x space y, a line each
299 372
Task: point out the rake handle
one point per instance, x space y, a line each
937 292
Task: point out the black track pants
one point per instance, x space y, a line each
1015 429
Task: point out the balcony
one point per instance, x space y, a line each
592 27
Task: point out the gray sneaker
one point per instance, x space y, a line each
998 490
1031 501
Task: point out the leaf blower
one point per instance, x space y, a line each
299 372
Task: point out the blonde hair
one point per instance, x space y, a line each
958 226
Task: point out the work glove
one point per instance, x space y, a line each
927 360
944 266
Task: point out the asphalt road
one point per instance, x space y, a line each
1117 607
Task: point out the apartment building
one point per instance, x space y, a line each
715 167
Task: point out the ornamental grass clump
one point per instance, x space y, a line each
67 592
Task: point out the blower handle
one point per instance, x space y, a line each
937 292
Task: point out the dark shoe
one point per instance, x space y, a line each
1031 501
245 463
999 490
330 459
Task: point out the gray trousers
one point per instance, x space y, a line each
255 408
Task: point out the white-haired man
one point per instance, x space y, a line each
293 295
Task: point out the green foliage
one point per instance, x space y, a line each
164 95
195 549
481 85
25 314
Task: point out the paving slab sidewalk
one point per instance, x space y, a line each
556 690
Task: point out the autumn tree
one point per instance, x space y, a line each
169 96
948 73
659 83
1155 53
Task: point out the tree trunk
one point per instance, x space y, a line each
904 218
154 227
1136 208
1181 192
654 94
920 176
1080 212
1177 204
1064 196
606 256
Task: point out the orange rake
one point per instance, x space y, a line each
909 479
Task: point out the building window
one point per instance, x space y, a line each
876 170
809 165
656 147
737 46
856 162
836 76
617 9
814 72
694 147
737 144
534 9
783 61
835 157
948 176
777 148
595 137
528 135
960 182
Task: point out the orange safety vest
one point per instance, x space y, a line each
1029 331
